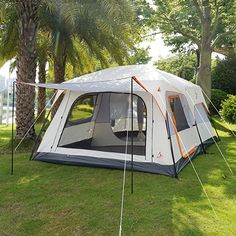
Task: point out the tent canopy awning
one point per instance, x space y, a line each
121 86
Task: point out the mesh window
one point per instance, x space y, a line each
100 122
82 110
179 117
120 114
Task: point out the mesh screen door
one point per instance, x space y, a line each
102 122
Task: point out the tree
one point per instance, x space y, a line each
9 48
19 23
201 23
140 56
79 31
102 28
96 28
43 51
8 31
183 65
26 66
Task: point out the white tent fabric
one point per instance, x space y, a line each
170 135
121 85
118 79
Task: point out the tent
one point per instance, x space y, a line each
151 120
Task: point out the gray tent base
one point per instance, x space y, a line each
149 167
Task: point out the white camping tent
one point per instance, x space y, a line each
94 127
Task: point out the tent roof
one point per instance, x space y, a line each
117 79
142 72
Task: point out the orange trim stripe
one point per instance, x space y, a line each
140 84
177 134
190 152
175 128
173 96
173 118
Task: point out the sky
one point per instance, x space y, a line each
4 75
158 50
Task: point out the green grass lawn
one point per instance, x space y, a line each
49 199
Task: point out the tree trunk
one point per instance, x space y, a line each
59 74
198 58
26 67
204 70
42 91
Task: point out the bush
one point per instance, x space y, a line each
86 108
217 96
224 75
229 109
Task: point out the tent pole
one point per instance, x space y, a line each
203 148
12 128
132 137
171 147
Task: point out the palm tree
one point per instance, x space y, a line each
79 31
103 27
26 66
97 29
18 39
43 52
8 32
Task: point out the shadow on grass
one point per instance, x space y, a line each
25 146
47 199
6 140
221 127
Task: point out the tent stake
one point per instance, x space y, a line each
12 128
132 138
203 148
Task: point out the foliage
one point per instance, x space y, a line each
8 32
217 97
224 75
78 32
182 65
143 13
180 22
199 24
86 201
229 109
89 33
84 28
140 56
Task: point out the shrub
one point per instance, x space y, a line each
86 108
217 96
229 109
224 75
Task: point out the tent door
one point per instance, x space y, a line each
102 122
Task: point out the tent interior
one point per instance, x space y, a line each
103 122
